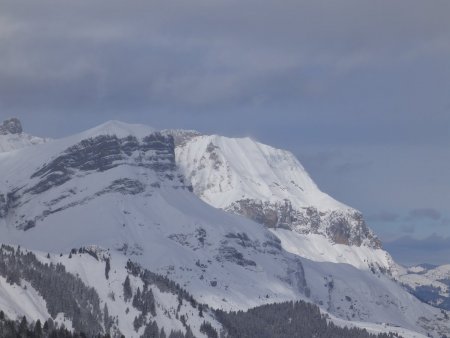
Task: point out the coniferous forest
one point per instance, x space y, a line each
287 320
65 293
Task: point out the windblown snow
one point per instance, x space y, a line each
224 170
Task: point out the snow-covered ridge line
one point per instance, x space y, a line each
12 136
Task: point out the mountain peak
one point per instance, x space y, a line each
12 136
11 126
119 129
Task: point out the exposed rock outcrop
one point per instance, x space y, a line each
340 226
11 126
155 154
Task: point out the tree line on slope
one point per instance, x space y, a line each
66 293
280 320
23 329
144 301
287 320
62 291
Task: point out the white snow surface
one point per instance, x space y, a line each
418 276
17 301
224 170
10 142
115 128
224 260
92 273
377 328
440 272
319 249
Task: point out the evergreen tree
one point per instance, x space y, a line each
23 327
38 329
127 292
207 329
107 268
151 331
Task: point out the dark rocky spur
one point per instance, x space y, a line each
11 126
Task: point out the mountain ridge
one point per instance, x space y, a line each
12 136
122 187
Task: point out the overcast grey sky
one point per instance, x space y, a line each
358 90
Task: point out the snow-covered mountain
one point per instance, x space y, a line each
12 137
271 187
431 284
135 191
94 290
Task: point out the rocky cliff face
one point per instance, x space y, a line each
3 206
269 186
341 227
155 152
105 152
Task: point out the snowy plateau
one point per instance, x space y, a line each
189 219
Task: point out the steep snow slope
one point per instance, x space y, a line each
271 187
118 186
149 299
225 170
106 272
125 194
110 290
319 249
12 136
22 300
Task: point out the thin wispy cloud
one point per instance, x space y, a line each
411 251
384 216
424 214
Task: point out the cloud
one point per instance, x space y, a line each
445 221
350 167
408 228
320 160
334 161
296 60
424 214
408 250
384 216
